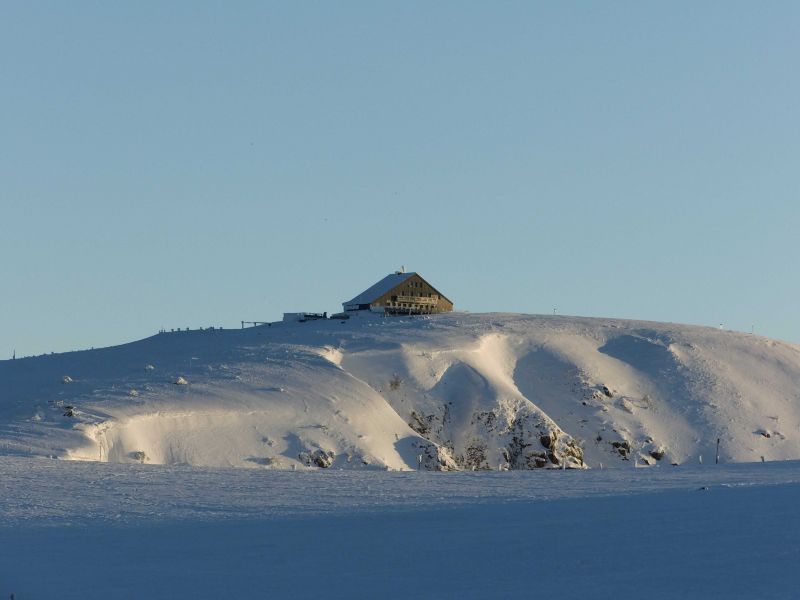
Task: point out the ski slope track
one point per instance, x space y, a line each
445 392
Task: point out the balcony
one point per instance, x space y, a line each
424 300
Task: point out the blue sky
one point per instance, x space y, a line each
190 164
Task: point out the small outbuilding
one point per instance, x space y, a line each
401 293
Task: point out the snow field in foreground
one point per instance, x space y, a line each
89 530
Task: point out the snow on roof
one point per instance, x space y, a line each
380 288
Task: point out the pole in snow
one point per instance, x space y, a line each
716 462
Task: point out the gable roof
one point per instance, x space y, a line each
379 289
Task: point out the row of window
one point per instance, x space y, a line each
415 296
406 304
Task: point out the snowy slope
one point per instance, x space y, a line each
452 392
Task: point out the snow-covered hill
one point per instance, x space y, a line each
456 391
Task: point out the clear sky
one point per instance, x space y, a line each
185 164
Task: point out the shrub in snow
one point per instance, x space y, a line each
180 381
419 423
69 410
435 458
133 393
395 382
323 459
139 455
66 379
573 449
623 447
474 457
318 458
561 451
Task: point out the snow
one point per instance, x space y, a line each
464 391
99 530
327 423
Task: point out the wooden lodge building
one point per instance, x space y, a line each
401 294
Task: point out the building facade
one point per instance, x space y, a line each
401 293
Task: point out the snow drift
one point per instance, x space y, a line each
445 392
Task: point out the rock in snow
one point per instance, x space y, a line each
446 392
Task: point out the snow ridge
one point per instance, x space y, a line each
443 392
